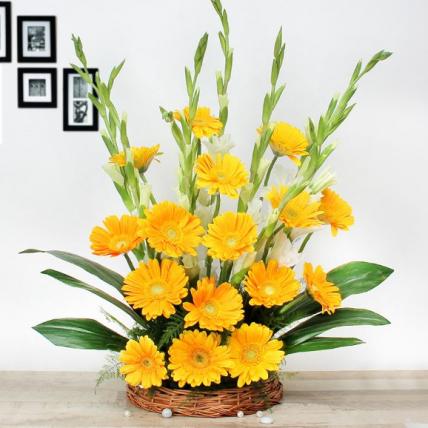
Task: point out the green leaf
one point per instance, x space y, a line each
200 53
81 333
73 282
323 322
113 75
323 343
358 277
105 274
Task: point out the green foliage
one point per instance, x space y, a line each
322 344
323 322
110 370
73 282
351 278
172 329
81 333
105 274
358 277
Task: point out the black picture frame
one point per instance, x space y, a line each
67 126
7 7
25 103
51 21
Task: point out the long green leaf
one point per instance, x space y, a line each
351 278
73 282
101 272
323 343
81 333
323 322
358 277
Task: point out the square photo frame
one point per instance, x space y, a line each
37 87
79 114
36 39
5 31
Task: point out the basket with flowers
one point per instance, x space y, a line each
213 294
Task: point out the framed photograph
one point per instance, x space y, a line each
5 32
37 87
79 114
36 39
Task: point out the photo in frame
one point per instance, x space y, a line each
37 87
79 114
36 39
5 32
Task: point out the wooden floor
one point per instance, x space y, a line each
312 399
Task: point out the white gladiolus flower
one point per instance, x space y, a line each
218 145
113 172
255 210
245 261
284 251
205 214
325 179
145 192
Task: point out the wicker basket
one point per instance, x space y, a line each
209 404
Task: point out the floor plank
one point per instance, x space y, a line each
312 399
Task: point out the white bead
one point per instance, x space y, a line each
259 414
127 413
240 414
267 420
166 413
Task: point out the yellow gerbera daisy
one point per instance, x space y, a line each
197 358
226 174
299 211
230 235
156 288
143 364
286 140
253 353
142 157
203 124
336 211
119 236
172 230
271 285
214 308
324 292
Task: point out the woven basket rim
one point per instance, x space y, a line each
209 403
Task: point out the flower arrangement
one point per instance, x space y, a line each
214 295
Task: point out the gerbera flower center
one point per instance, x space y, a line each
171 233
146 362
231 242
269 289
251 354
119 243
200 358
210 308
157 288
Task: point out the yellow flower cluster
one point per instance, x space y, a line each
217 336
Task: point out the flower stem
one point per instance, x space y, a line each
152 198
274 159
305 241
129 261
217 206
226 269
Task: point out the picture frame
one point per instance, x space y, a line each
36 39
5 31
79 114
37 87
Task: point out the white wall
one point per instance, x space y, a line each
53 189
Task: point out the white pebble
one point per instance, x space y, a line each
259 414
240 414
267 420
166 413
127 413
